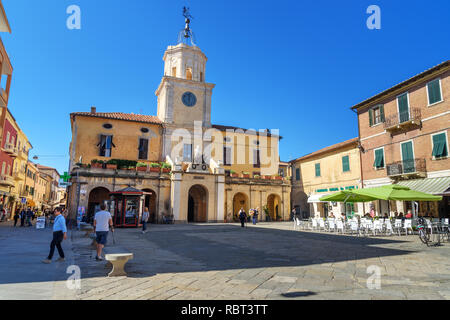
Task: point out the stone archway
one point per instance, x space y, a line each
197 204
97 196
240 200
274 206
150 203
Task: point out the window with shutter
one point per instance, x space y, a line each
105 145
440 148
256 159
379 159
297 174
434 91
143 149
317 169
345 164
227 156
403 107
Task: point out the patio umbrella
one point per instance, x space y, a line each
395 192
346 196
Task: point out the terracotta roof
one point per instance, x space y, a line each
225 128
328 149
120 116
403 84
41 167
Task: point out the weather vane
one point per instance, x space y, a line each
186 33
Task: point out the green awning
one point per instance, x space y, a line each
437 186
346 196
396 192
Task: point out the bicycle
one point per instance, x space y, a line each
433 233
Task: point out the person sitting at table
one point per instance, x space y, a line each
408 215
331 215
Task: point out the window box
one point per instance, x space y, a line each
234 175
267 177
154 169
97 164
245 175
111 166
141 168
278 177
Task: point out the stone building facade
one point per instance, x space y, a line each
215 170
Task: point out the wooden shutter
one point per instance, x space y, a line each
439 146
317 169
370 117
297 174
345 164
382 113
434 91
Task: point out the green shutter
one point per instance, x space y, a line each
434 91
403 108
370 117
317 169
439 145
345 164
379 160
382 113
408 157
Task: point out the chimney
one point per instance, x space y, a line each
93 109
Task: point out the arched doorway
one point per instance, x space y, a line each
240 200
274 206
97 196
150 203
197 204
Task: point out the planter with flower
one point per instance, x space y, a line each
111 164
267 177
245 175
166 168
278 177
155 167
256 176
141 166
233 174
97 163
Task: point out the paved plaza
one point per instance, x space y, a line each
225 261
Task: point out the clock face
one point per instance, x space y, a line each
189 99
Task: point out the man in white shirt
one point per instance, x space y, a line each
102 222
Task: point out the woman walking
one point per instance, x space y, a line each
145 217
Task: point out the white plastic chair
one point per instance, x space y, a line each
340 226
314 224
331 225
407 226
297 223
377 227
398 226
354 227
388 227
321 224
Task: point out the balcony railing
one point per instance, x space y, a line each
10 149
6 180
403 119
406 167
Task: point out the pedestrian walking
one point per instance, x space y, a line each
16 218
23 213
255 215
145 217
59 234
28 217
102 222
242 217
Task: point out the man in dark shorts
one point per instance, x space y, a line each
102 222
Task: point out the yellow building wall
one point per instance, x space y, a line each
332 175
125 134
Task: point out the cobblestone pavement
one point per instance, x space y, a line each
225 261
267 261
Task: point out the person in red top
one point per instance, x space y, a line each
408 215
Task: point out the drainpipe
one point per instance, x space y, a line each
359 147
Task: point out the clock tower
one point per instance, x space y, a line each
184 98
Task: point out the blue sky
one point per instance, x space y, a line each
294 65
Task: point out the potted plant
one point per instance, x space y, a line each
278 218
154 167
111 164
166 168
267 177
233 174
97 163
245 175
278 177
257 176
141 166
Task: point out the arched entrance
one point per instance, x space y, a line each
274 206
240 200
97 196
197 204
150 203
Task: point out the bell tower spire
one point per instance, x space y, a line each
186 35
